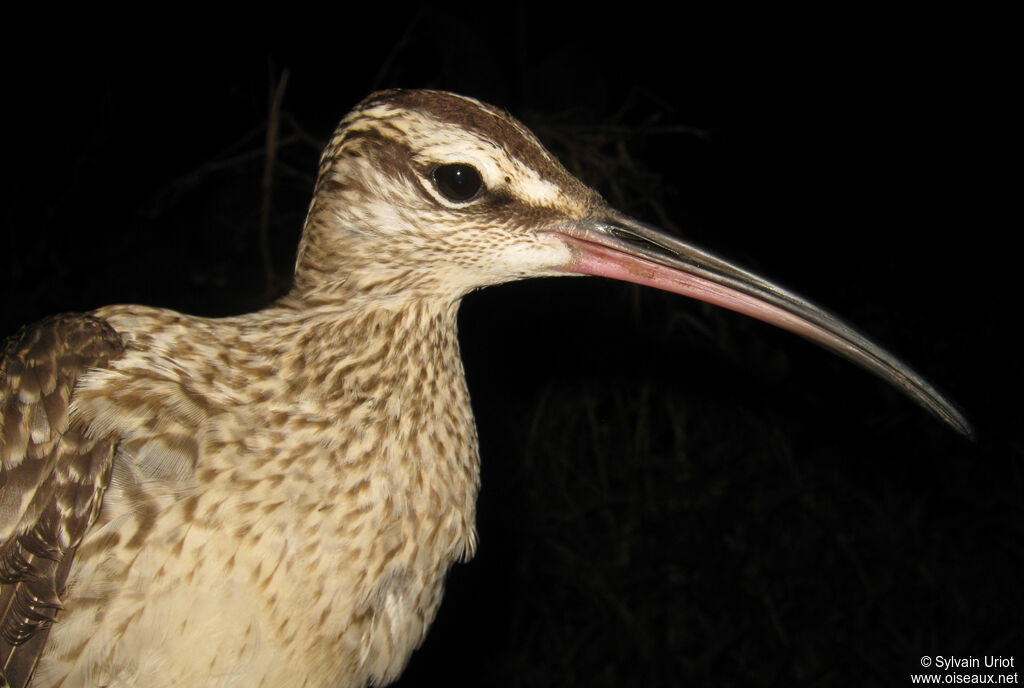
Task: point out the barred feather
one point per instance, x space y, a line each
52 476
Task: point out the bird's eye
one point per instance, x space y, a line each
458 182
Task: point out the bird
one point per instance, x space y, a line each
275 498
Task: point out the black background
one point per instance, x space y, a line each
672 495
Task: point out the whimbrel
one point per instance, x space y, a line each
274 499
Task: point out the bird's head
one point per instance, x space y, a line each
425 193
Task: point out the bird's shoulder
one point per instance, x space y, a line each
40 366
53 473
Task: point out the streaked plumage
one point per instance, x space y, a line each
274 499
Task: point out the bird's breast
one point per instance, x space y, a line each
296 535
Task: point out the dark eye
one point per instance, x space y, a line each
458 181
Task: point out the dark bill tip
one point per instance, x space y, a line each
615 246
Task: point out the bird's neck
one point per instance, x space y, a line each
381 348
389 377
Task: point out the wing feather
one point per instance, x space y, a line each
53 474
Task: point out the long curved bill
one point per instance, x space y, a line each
619 247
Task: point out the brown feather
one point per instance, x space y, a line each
52 477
